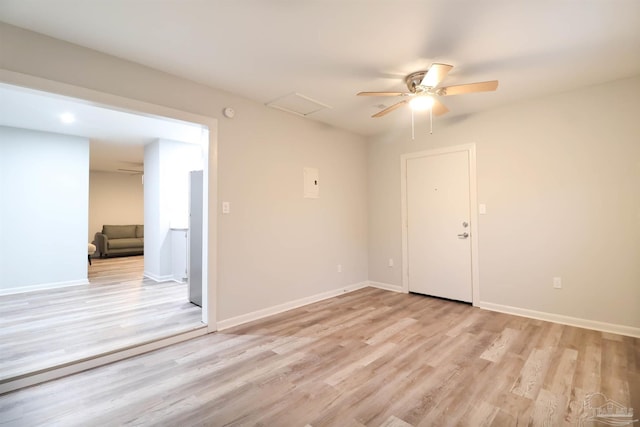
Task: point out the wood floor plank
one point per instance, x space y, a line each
394 421
500 346
532 375
367 358
119 308
548 409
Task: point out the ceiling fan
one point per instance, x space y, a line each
131 171
137 165
424 90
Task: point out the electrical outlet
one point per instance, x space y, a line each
557 282
339 268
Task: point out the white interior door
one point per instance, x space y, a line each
438 217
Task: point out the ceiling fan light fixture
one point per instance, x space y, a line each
421 103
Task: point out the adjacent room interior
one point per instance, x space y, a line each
77 307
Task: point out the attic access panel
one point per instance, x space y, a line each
298 104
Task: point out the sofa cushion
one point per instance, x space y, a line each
119 231
140 230
132 243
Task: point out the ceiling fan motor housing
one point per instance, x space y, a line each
413 81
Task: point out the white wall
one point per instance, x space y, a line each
166 198
276 245
114 198
44 183
561 180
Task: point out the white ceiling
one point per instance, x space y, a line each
331 49
117 137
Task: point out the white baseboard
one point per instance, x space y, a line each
564 320
156 278
43 286
386 286
259 314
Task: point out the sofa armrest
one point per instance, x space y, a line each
102 241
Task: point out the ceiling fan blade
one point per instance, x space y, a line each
436 73
470 88
390 109
381 93
131 170
439 108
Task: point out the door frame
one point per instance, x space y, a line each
210 163
470 149
210 199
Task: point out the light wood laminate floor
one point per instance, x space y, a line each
43 329
366 358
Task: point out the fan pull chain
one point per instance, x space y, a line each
413 133
431 121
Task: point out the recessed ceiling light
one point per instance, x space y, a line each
67 118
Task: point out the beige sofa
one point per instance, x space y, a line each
120 240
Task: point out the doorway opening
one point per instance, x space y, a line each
205 316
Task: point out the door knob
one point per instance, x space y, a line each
463 235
